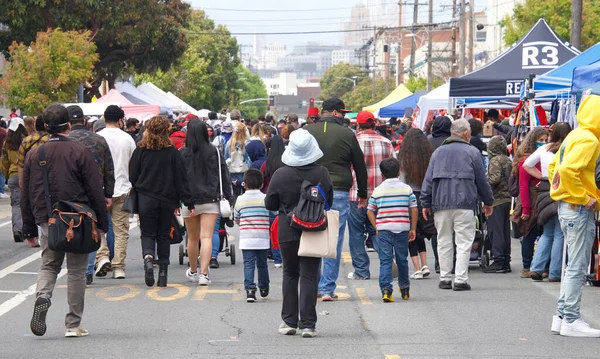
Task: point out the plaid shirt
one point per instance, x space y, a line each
30 142
376 148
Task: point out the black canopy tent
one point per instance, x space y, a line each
538 52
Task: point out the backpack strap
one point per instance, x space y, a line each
44 166
327 206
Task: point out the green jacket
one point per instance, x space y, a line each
341 153
499 170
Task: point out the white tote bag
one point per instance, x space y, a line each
224 206
322 244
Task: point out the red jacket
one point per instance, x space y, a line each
178 139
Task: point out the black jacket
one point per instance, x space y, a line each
284 194
478 143
160 175
202 170
440 131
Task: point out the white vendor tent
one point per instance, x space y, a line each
437 99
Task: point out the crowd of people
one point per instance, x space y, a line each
395 185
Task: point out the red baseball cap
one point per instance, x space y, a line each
313 112
365 118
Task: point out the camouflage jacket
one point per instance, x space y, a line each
101 152
499 170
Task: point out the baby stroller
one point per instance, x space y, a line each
224 245
481 251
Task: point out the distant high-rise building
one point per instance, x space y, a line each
358 33
259 44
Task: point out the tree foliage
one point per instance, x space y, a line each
131 35
418 83
361 95
557 14
334 85
205 76
251 87
48 70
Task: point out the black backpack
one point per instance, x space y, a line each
309 213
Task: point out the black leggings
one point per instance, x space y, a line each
155 224
417 246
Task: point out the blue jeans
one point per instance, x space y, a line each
331 266
255 258
393 244
579 227
2 184
216 241
110 240
528 245
357 226
549 248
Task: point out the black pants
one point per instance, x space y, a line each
304 270
417 246
498 227
155 224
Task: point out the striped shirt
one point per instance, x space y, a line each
392 201
253 218
376 148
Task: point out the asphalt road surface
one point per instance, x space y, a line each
503 316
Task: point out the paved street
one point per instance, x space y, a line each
503 316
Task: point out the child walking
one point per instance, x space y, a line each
253 218
392 210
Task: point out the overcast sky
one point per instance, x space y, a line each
303 15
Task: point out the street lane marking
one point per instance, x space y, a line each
132 292
13 302
182 291
392 356
362 295
10 291
5 224
18 265
346 257
31 273
203 291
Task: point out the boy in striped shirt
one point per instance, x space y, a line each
253 218
392 210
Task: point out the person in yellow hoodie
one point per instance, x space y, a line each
571 173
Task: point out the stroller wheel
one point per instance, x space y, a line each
181 254
227 252
485 259
232 253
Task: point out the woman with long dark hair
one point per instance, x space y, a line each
10 170
549 248
202 162
525 212
157 173
414 157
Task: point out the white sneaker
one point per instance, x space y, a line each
278 265
417 275
353 275
4 196
118 273
578 328
76 332
203 279
192 277
426 271
556 324
103 267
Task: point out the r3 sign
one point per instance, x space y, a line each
540 55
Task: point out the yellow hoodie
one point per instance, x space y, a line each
581 148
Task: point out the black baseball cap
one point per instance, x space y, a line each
75 112
334 104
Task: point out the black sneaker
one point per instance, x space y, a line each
445 284
437 267
38 320
264 292
89 279
18 237
405 293
214 263
149 271
250 296
495 267
386 296
459 287
508 269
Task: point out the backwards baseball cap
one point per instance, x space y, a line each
75 112
113 113
365 118
313 112
334 104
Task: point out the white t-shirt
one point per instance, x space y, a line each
542 156
121 149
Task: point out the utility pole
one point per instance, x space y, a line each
430 46
374 69
471 33
463 39
386 60
400 60
576 17
453 55
413 44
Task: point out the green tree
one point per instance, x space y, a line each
48 70
251 87
558 15
131 35
361 95
333 83
418 83
205 76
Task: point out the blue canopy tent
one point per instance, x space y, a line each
397 109
585 76
561 78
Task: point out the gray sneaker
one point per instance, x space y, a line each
286 329
309 333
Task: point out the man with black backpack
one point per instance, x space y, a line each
72 176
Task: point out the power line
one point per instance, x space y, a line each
284 10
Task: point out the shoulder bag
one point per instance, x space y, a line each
224 206
131 204
71 226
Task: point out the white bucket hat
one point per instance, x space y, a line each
302 150
15 122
